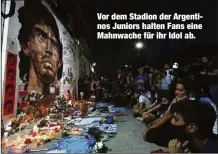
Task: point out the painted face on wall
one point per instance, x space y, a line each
43 50
8 106
11 75
10 90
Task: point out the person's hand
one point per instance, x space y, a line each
141 112
176 146
149 111
146 113
151 125
148 127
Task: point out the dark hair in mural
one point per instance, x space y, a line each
31 14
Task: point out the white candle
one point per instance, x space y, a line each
62 118
5 135
18 138
6 142
20 128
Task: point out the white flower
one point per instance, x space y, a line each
100 145
8 128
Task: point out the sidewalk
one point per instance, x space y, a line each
129 137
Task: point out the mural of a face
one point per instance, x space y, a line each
43 50
10 90
8 106
40 57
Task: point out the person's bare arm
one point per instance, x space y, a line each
149 107
144 110
141 107
155 108
159 122
152 105
136 107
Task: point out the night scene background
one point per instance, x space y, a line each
111 55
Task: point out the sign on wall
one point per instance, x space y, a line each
10 84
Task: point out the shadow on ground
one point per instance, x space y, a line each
129 137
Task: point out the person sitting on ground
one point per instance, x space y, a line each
134 100
204 96
143 102
155 102
158 110
197 120
161 130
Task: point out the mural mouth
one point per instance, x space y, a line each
48 64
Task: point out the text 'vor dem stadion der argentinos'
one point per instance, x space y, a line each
148 26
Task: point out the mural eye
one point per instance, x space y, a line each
41 36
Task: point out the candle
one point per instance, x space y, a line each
18 138
35 129
6 142
5 134
62 118
48 126
20 128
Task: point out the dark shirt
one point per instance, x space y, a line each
140 81
212 144
210 69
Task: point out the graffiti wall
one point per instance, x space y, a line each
83 66
47 55
69 76
10 84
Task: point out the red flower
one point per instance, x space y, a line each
27 141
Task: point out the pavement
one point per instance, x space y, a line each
129 137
